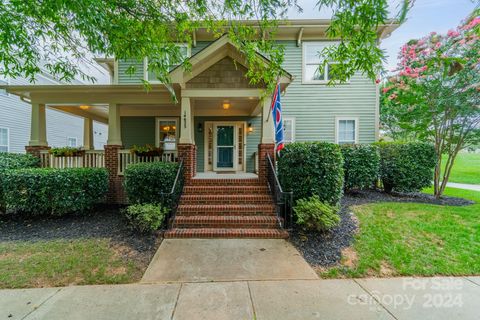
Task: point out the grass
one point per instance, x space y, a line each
62 263
466 168
406 239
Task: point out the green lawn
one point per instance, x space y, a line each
403 239
63 262
466 168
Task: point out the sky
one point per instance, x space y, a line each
425 16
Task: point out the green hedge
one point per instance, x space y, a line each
312 168
145 218
361 164
406 167
312 214
144 182
54 191
14 161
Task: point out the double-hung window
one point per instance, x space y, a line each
151 75
72 142
289 129
346 130
312 62
4 140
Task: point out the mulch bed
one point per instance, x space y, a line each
105 223
325 249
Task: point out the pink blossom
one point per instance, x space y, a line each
386 89
438 45
472 23
392 96
377 81
453 33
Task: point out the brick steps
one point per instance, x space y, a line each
226 233
226 182
226 199
226 209
238 189
242 222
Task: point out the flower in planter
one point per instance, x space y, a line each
66 152
146 151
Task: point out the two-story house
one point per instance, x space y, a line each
220 128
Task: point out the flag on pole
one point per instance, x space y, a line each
277 116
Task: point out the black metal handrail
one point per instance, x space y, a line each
283 200
172 198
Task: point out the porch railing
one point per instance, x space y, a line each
126 157
171 199
283 200
89 159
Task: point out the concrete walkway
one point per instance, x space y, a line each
474 187
397 298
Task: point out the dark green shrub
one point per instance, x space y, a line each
312 168
54 191
361 164
14 161
145 217
145 182
314 214
406 167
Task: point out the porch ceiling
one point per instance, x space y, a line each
236 107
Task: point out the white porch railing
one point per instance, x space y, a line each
125 157
90 159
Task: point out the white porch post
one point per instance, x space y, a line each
186 122
88 142
267 122
38 127
114 130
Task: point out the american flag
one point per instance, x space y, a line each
277 116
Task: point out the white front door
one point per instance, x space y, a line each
225 146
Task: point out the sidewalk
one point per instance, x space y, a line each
394 298
474 187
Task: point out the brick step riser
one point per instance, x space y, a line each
224 201
226 191
227 233
225 182
233 225
225 213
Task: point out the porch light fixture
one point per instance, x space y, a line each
200 128
226 105
250 128
83 107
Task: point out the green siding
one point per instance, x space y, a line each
137 130
314 106
253 139
134 78
200 46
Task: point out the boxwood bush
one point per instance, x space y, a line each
361 164
313 214
406 167
144 182
312 168
14 161
145 218
41 191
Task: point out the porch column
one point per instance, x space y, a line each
38 131
267 143
88 143
114 131
115 194
187 150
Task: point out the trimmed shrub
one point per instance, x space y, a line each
14 161
312 168
406 167
145 182
145 217
361 164
314 214
54 191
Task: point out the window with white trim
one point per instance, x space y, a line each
4 139
151 76
72 142
289 129
312 61
347 130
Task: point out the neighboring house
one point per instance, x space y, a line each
62 129
221 123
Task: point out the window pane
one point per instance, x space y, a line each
346 131
312 52
288 130
312 72
333 71
71 142
3 149
168 135
3 137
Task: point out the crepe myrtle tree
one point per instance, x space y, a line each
435 94
61 35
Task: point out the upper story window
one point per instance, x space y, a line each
312 61
72 142
289 129
346 130
150 75
4 140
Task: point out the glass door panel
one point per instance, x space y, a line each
225 138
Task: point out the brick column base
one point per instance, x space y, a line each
188 153
35 150
116 194
263 150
